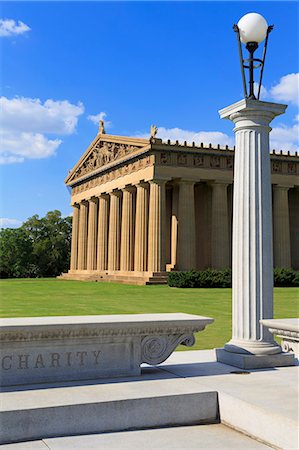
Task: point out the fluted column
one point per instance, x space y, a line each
114 231
75 230
141 227
252 264
220 233
92 234
281 227
174 225
156 228
102 244
186 227
82 238
127 230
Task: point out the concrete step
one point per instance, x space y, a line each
197 437
156 399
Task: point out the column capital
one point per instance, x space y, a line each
128 188
188 182
159 180
142 183
283 187
116 193
219 183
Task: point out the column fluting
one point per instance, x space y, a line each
141 228
82 238
281 227
103 225
127 230
92 234
156 228
186 256
219 232
114 231
75 234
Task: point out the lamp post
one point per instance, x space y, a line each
251 345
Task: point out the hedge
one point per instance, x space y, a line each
212 278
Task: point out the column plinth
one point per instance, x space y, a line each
220 233
186 243
281 227
127 230
102 241
92 234
82 235
252 265
114 231
75 231
141 227
156 228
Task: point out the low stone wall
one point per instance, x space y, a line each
287 330
49 349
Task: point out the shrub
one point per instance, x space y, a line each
285 277
212 278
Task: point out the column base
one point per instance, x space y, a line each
253 347
248 361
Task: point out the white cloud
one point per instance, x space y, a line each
9 223
25 121
97 117
287 89
207 137
9 27
285 137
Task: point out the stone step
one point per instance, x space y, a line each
197 437
156 399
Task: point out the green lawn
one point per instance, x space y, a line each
52 297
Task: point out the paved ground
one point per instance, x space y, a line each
262 403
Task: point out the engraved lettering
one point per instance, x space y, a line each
23 361
55 360
81 355
68 358
96 356
6 366
39 363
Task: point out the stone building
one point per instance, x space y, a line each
144 206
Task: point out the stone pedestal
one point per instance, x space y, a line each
252 263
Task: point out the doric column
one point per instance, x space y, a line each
114 231
141 228
82 238
127 230
102 245
75 230
252 232
174 224
219 232
281 227
92 234
156 228
186 227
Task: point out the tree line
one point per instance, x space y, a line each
39 248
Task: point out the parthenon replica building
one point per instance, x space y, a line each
143 207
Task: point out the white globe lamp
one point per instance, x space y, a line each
253 28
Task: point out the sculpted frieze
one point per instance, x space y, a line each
113 174
102 154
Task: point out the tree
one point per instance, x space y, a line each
40 247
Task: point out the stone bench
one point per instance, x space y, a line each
287 330
50 349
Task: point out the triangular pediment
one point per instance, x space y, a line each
102 152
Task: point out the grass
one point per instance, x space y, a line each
52 297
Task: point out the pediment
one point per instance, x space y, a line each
103 151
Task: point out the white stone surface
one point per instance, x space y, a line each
252 258
192 437
49 349
287 330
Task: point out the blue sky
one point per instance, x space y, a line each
174 64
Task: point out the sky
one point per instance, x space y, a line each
65 65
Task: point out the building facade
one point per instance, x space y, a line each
143 207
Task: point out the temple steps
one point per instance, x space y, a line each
154 278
